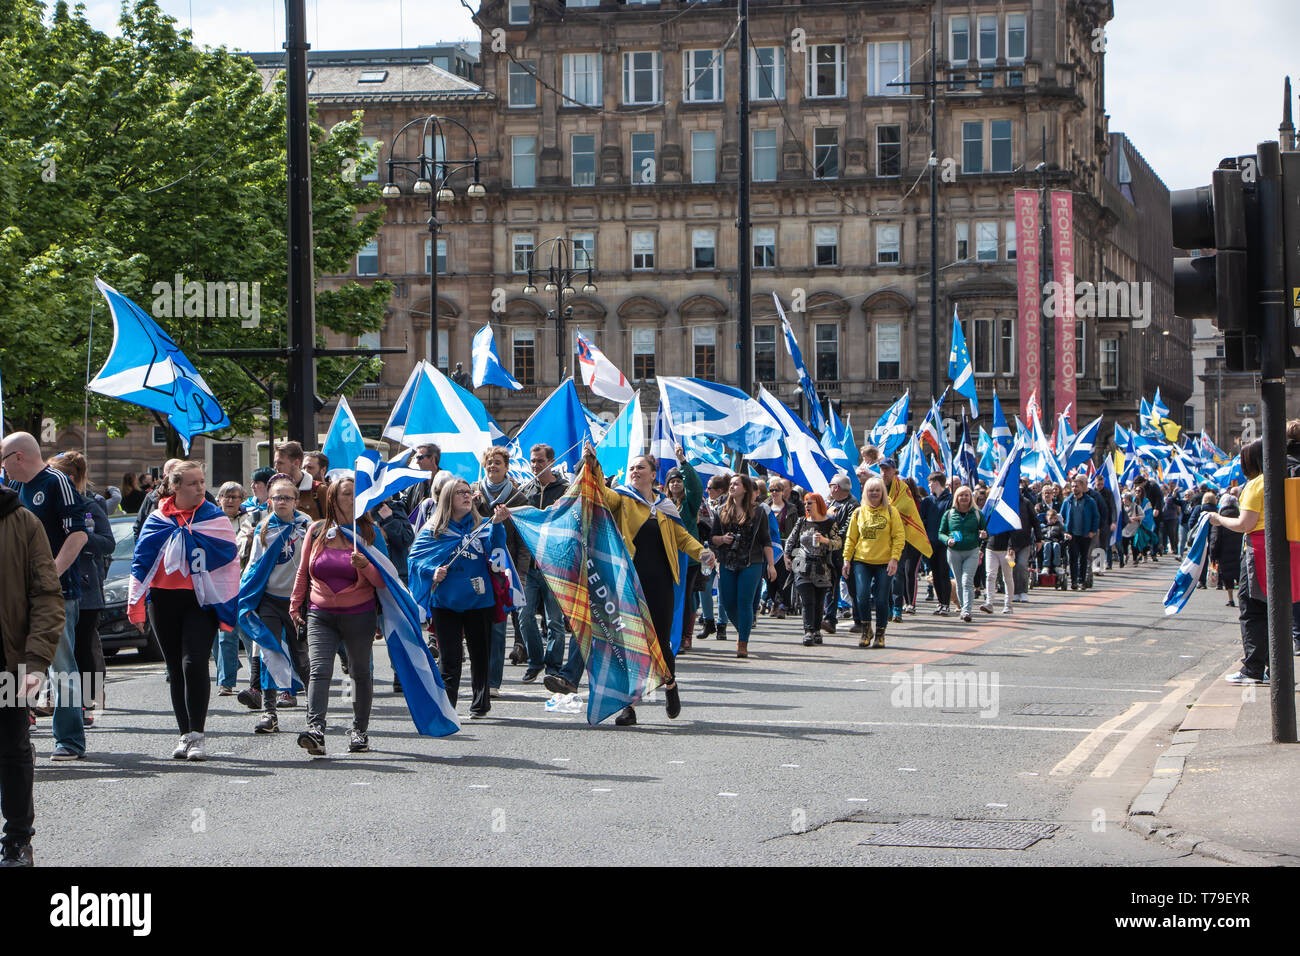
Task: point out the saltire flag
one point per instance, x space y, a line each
433 409
1229 471
378 480
1063 432
1132 470
1153 449
837 440
912 462
145 367
560 422
623 441
1158 408
486 367
1002 510
707 456
343 441
1123 438
966 463
987 470
890 430
600 374
282 540
960 368
202 550
1178 472
663 442
1001 432
804 461
1079 449
583 558
1111 480
1039 463
697 407
1189 572
815 417
1147 421
597 425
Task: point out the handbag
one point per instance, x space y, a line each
501 594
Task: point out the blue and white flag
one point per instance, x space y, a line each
343 441
663 442
1146 423
1113 488
1158 407
966 464
1079 449
1002 510
1001 431
1152 449
804 461
413 663
486 367
707 456
960 368
815 417
282 539
1228 472
890 431
697 407
1189 572
378 480
560 422
145 367
837 441
1123 439
1039 463
1180 474
433 409
623 441
202 549
912 462
987 468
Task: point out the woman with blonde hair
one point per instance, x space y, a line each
872 547
962 530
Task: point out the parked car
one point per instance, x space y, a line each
115 631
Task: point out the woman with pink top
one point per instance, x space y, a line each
335 587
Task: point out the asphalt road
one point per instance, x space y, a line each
794 756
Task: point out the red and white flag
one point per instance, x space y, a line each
600 374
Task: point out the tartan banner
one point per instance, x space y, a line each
581 554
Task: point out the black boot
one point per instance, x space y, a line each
709 628
674 701
721 633
627 718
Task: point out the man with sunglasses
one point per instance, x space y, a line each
427 458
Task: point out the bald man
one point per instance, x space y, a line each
50 496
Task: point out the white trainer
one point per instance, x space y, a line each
195 750
183 747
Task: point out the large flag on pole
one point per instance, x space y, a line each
815 417
145 367
433 409
486 367
837 440
890 431
1079 449
960 368
378 480
343 441
912 463
697 407
623 441
1189 572
804 462
1002 510
600 374
1001 430
966 463
560 422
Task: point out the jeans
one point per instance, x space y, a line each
964 564
1168 533
274 612
833 599
325 632
874 586
1053 556
996 562
1080 548
538 596
737 590
225 651
1020 573
69 731
576 664
496 654
17 773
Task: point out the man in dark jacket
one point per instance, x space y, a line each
931 509
1023 542
840 508
1081 520
1105 518
31 627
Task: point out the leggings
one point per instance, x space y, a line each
939 572
90 655
737 590
185 632
812 598
474 627
325 632
904 582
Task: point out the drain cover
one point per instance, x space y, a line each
962 834
1062 710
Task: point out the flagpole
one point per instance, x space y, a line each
85 413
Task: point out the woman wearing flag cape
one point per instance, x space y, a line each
264 595
652 529
187 565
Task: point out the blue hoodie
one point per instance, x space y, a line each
457 591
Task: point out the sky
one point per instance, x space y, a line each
1189 81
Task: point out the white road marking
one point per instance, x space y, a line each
677 761
480 786
360 783
790 766
907 769
601 789
1076 757
995 806
856 800
725 794
1111 762
240 781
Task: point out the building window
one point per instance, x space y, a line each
643 250
523 83
643 158
826 246
1006 346
584 250
888 63
523 251
828 352
368 259
764 247
643 354
888 241
764 168
889 351
1016 45
1011 240
826 70
704 156
826 152
980 342
962 252
767 73
582 79
889 150
765 353
523 162
442 256
1110 363
988 48
582 3
1080 349
641 78
371 151
443 347
958 49
583 151
1189 418
1000 141
972 147
703 249
519 11
524 346
705 340
702 76
986 241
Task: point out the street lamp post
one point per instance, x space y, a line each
559 276
432 174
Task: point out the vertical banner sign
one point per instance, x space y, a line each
1062 226
1027 266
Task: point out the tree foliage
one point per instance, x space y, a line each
140 157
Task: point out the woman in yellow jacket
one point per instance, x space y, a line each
653 532
872 548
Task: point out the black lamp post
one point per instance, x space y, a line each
432 175
559 276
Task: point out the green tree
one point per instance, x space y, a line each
137 158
